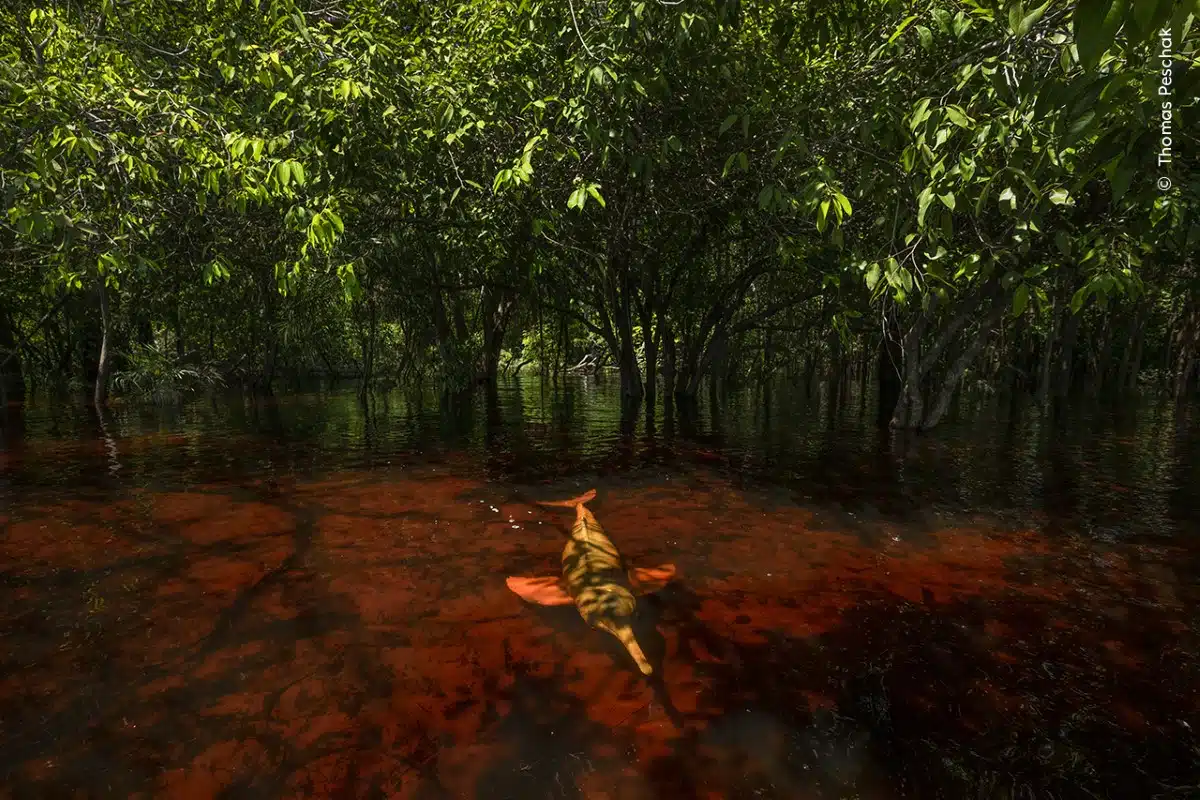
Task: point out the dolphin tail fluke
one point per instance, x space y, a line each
586 497
546 591
625 635
647 580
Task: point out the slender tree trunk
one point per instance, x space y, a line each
960 366
1188 343
810 376
910 406
67 351
497 309
12 378
177 319
1066 359
631 377
669 376
1127 374
1104 356
650 352
368 348
104 364
564 346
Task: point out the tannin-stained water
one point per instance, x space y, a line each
307 598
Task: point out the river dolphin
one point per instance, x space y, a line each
596 580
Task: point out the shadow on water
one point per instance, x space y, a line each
908 696
304 596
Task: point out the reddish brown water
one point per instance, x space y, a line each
306 600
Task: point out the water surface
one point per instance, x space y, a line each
303 597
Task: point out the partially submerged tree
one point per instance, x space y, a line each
710 192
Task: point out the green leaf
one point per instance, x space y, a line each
873 277
1029 20
1079 298
958 116
1016 12
1020 300
764 196
502 177
1062 241
1148 15
947 200
923 201
1032 18
1122 176
1095 26
926 36
594 191
900 29
1059 197
728 123
920 113
1081 123
1008 197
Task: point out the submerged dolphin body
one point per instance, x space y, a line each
595 579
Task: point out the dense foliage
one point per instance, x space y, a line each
695 192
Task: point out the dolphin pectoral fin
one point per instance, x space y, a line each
546 591
650 579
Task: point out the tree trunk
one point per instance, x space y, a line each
368 348
177 320
1127 374
564 346
668 340
1048 354
104 364
1104 355
631 378
960 366
12 378
650 353
1066 360
888 366
910 407
1188 342
497 309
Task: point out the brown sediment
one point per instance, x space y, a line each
355 635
